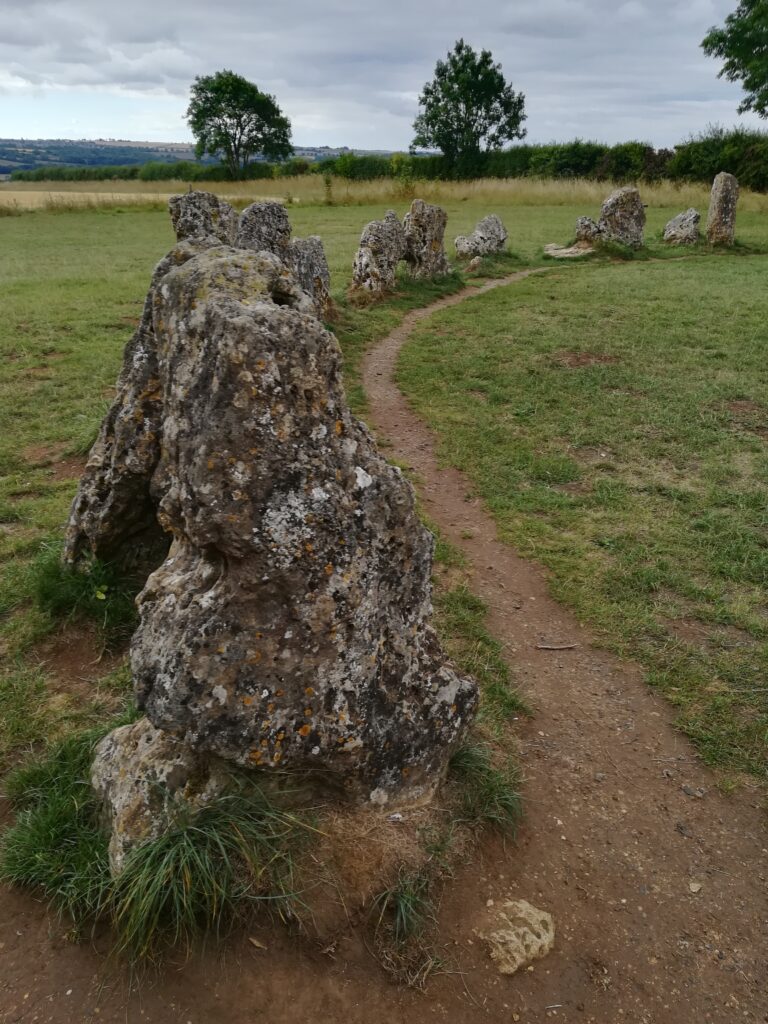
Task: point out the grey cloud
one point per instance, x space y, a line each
595 68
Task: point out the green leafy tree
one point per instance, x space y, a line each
468 109
743 44
231 117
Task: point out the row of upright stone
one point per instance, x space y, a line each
419 242
622 219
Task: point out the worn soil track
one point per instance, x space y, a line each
657 882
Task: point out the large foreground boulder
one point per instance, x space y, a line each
622 217
489 237
382 246
683 229
288 626
424 226
721 220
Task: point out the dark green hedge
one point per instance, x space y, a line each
700 158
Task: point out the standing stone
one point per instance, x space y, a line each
622 217
721 221
265 227
382 246
683 229
424 227
199 215
307 258
289 624
489 237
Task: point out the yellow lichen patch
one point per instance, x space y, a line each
247 701
305 730
309 547
211 463
254 659
329 570
309 691
277 757
308 712
339 428
255 755
279 693
281 736
270 708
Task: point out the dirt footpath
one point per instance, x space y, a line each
657 882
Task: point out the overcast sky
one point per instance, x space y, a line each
347 75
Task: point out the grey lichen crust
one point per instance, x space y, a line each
721 219
488 238
289 623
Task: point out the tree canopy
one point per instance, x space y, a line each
743 44
231 117
468 108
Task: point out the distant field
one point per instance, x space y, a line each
310 189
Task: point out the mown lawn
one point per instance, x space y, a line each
615 420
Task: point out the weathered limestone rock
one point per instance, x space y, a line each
382 246
145 778
518 934
587 230
683 229
307 258
424 227
265 227
489 236
721 220
113 516
572 252
200 215
289 625
622 217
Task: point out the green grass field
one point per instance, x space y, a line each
615 420
613 416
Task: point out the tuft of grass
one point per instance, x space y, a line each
57 845
405 908
489 792
96 591
208 873
461 623
24 718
